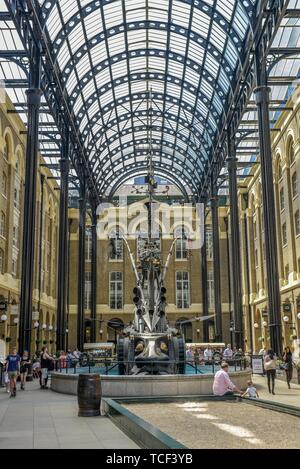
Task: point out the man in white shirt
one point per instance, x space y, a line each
207 354
228 352
222 385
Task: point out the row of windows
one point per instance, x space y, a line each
116 248
294 186
116 290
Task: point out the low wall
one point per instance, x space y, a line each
147 386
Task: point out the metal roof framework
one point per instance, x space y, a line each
101 60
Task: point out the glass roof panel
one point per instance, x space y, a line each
149 72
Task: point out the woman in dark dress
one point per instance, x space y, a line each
288 361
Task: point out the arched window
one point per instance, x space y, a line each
284 234
281 198
294 184
279 170
4 184
2 225
297 223
2 261
16 198
6 148
17 166
115 245
181 243
291 152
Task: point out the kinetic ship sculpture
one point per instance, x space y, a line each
149 345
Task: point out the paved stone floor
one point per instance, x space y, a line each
283 395
44 419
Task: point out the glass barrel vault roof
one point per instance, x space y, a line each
141 73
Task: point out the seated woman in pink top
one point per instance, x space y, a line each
223 386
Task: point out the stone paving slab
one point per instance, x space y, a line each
283 394
44 419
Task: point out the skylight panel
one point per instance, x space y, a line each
195 52
177 43
98 53
200 23
116 44
113 15
218 37
181 13
158 14
136 39
225 8
93 24
135 10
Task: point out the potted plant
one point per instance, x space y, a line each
8 339
51 342
293 337
45 342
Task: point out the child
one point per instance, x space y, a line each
251 390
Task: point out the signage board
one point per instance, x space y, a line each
3 306
286 307
257 364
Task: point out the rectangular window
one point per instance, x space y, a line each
181 249
88 291
4 185
2 261
116 249
210 289
2 225
254 230
286 272
182 290
16 199
209 245
284 234
116 290
14 268
15 236
281 198
295 184
297 223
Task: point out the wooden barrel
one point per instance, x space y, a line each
89 395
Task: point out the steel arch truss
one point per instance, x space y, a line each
103 62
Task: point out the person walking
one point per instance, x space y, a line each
270 367
288 365
24 367
13 370
46 363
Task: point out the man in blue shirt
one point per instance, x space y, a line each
13 369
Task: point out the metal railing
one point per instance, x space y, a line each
113 367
